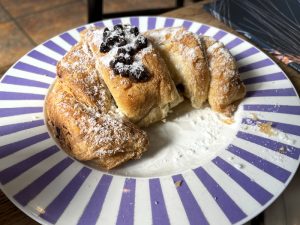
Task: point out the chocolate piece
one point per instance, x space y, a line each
104 47
141 42
134 30
128 45
140 74
106 33
122 42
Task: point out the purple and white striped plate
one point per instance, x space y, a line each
52 188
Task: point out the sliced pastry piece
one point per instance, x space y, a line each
134 72
86 134
185 57
78 73
226 89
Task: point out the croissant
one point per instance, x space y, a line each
134 72
116 80
83 117
185 57
226 89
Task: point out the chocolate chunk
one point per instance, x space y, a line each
122 63
126 59
121 69
121 51
124 72
141 42
112 63
130 50
122 42
134 30
104 47
120 59
111 40
116 71
140 74
106 33
118 27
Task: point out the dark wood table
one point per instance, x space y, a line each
10 214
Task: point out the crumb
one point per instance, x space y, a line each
282 150
229 121
40 210
164 120
254 116
178 183
266 128
156 202
125 190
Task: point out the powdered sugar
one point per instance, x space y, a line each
187 139
161 35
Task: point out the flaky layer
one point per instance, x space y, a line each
78 73
226 89
185 57
89 135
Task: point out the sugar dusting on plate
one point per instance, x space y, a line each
188 138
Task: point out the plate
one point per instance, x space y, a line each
235 183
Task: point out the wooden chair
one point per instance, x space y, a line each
95 11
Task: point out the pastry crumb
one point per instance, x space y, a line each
266 128
178 183
229 121
282 150
40 210
254 116
125 190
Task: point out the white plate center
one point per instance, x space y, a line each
187 139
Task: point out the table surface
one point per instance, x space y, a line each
10 214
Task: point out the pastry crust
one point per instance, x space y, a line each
89 135
226 89
77 71
82 115
141 102
185 57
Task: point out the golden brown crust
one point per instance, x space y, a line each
82 115
226 88
77 71
137 99
90 136
185 57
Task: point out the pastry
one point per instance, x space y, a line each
86 134
134 72
83 117
226 89
77 71
185 57
114 81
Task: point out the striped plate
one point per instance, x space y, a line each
52 188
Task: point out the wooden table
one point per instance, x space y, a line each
10 214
